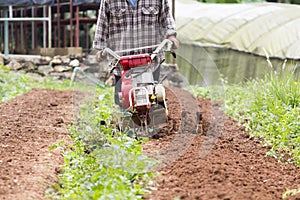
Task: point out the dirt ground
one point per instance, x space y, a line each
204 154
220 162
29 125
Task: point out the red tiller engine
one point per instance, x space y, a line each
128 62
144 98
137 81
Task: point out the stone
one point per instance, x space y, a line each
56 61
14 65
5 59
68 75
65 59
76 51
24 58
57 75
29 66
45 60
92 59
62 68
74 63
35 75
45 70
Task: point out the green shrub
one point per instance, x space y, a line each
268 108
13 84
102 162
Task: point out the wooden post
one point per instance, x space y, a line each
33 33
44 29
17 31
71 23
22 31
65 32
49 12
35 28
58 23
87 42
77 31
6 34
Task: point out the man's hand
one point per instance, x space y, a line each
100 56
175 41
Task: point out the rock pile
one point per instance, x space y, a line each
62 67
59 66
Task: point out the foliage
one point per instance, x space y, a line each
4 67
268 108
102 163
289 193
13 84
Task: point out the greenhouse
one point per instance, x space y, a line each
235 39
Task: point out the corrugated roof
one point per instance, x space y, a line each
26 2
42 2
253 27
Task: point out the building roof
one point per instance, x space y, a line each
42 2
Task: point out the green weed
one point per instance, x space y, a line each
289 193
13 84
102 162
268 108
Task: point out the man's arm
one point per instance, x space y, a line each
101 33
168 24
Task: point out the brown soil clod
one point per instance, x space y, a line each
28 128
204 154
222 163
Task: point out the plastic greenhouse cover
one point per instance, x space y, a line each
261 28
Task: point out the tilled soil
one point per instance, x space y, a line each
29 125
204 154
220 162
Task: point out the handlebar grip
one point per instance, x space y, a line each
169 45
111 52
102 54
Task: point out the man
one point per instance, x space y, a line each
129 24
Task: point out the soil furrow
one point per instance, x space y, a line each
30 124
204 154
221 162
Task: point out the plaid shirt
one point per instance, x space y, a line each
121 26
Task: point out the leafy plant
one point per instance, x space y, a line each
102 162
13 84
268 108
289 193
